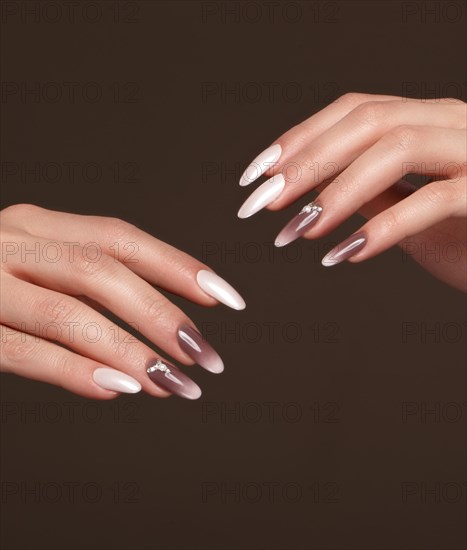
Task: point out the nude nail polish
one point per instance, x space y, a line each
193 344
172 379
115 380
297 226
261 164
345 249
219 289
261 197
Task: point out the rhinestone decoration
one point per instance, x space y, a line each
159 366
309 207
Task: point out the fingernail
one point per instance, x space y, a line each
172 379
297 226
261 197
261 164
345 249
111 379
219 289
193 344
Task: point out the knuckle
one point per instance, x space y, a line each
17 347
442 192
66 366
118 230
153 309
55 309
371 112
352 99
19 210
347 183
403 137
390 221
296 135
86 267
125 350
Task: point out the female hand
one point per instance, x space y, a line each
356 152
58 268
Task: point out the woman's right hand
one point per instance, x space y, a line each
58 270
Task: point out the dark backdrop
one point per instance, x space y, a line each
339 422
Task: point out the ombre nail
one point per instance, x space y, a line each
261 164
297 226
261 197
172 379
193 344
115 380
219 289
345 249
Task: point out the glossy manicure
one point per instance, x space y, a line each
299 225
111 379
219 289
345 249
261 164
261 197
172 379
193 344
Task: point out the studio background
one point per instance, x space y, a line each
339 422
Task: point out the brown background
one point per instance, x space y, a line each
318 372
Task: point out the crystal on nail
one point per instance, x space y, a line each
309 207
159 366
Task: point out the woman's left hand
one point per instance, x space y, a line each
356 152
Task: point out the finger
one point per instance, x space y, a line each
33 357
148 257
276 157
403 150
122 292
416 213
66 320
334 150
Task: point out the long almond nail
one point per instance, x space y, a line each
261 197
172 379
297 226
261 164
345 249
112 379
193 344
219 289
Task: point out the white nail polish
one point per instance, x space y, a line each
111 379
261 164
219 289
261 197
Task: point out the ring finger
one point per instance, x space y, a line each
52 315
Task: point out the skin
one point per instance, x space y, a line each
356 152
77 289
360 144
